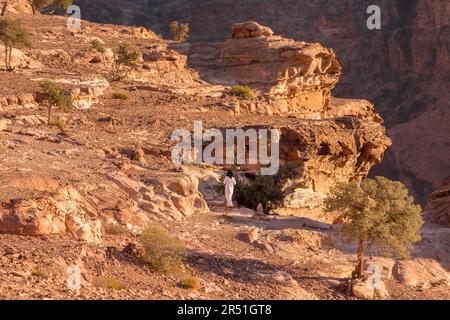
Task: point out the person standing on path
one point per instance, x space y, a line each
229 183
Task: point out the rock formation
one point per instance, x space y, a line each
403 68
296 76
329 139
62 211
438 209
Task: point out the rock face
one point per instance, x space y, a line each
438 209
65 211
297 77
332 150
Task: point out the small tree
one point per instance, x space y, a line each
381 215
12 34
63 3
265 190
38 5
4 8
179 31
244 92
124 57
55 97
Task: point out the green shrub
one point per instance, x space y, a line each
267 190
58 123
244 92
161 251
124 57
179 31
264 190
38 273
63 3
190 282
120 96
109 283
98 46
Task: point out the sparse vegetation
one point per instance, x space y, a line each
63 3
120 96
58 123
98 46
162 252
55 97
38 5
109 283
124 58
179 31
115 229
244 92
267 190
191 282
382 216
12 34
38 273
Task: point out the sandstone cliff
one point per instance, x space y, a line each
402 68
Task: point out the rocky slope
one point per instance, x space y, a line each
80 192
402 67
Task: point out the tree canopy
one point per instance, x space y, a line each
381 214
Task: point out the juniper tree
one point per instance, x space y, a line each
12 34
63 3
179 31
124 56
4 8
55 97
381 216
38 5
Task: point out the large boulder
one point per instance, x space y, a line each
170 196
421 272
296 77
250 29
365 290
18 59
45 212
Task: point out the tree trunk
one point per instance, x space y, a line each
11 68
6 57
49 118
360 266
5 6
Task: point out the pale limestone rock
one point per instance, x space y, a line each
421 272
250 237
367 291
65 211
18 59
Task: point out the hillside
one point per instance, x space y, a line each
80 190
403 68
